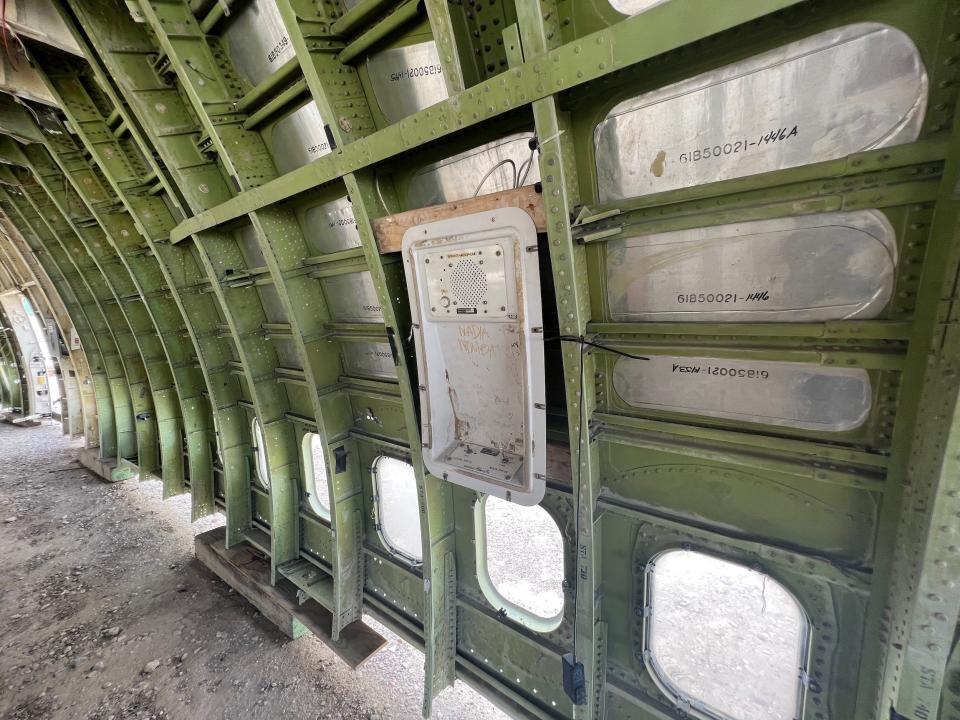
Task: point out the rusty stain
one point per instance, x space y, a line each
656 167
461 428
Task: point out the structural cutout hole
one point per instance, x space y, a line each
730 641
520 562
260 454
217 441
315 475
397 507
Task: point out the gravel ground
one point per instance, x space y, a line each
525 556
725 635
106 615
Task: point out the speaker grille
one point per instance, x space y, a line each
468 282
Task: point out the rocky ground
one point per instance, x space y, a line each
106 615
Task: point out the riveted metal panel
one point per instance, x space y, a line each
257 40
854 88
250 246
352 298
39 19
407 79
368 359
789 394
331 227
493 167
299 138
828 266
815 508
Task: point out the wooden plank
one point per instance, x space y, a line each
389 230
247 572
259 539
358 641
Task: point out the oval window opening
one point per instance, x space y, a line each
315 475
729 640
260 454
520 562
398 509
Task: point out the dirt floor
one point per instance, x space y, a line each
106 615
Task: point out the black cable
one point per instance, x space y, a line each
190 64
584 343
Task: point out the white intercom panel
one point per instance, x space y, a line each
474 285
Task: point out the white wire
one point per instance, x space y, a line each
490 172
526 167
376 184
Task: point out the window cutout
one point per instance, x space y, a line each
520 562
260 454
315 475
729 640
398 509
217 441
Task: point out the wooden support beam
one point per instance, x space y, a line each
247 572
389 230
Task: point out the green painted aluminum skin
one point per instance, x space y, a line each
33 279
159 228
12 371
